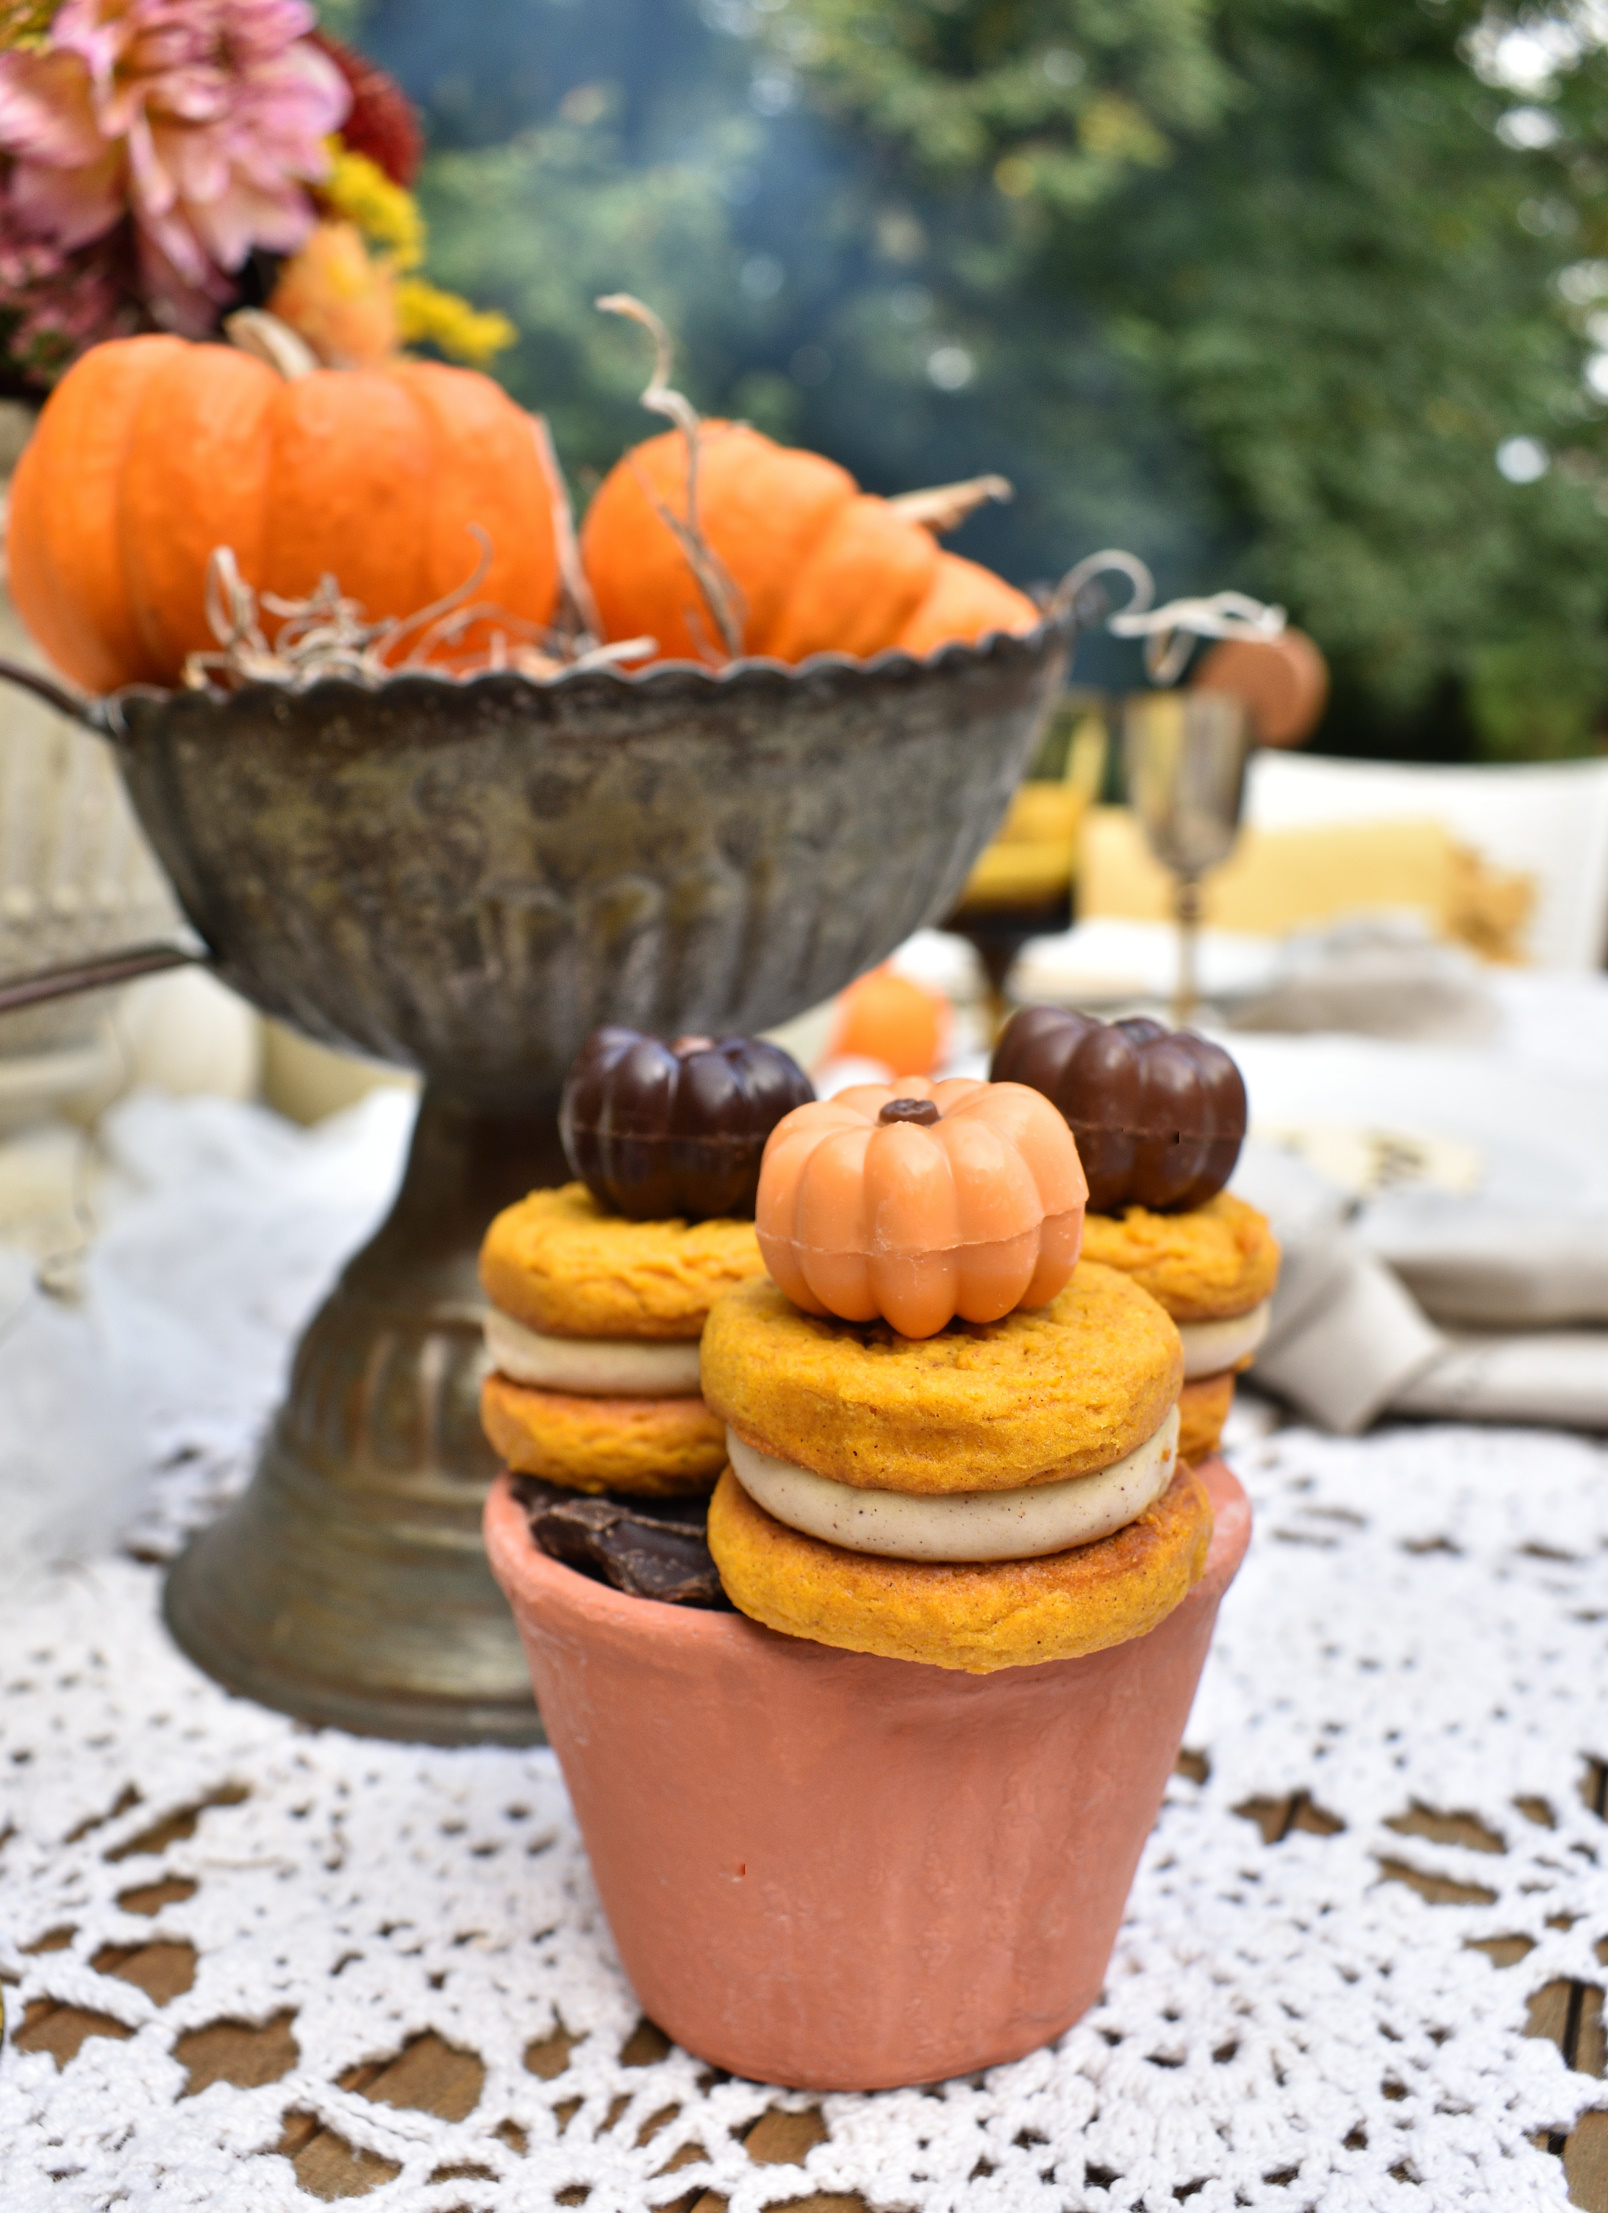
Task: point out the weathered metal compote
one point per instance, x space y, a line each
464 879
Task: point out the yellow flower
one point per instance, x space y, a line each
385 212
465 333
390 219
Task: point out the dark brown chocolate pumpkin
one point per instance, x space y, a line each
1158 1114
656 1130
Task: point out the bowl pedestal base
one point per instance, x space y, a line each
349 1584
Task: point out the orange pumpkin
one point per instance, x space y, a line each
923 1203
888 1017
821 566
151 452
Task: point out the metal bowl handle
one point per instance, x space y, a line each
106 969
89 712
100 974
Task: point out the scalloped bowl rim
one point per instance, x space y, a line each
749 667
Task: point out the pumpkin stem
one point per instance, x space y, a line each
253 330
585 622
944 507
720 593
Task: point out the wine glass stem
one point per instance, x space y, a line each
1187 909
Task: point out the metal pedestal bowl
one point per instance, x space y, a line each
465 879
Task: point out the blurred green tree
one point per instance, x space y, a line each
1262 288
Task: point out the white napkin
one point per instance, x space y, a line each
1349 1341
1477 1263
1377 976
1546 1375
219 1228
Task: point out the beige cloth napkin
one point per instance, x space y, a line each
1477 1263
1350 1341
1545 1375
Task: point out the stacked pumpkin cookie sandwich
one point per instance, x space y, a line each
1159 1118
949 1442
876 1822
599 1289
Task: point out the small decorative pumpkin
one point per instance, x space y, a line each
819 566
1283 681
341 298
890 1018
921 1203
152 451
657 1131
1158 1114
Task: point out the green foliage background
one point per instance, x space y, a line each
1255 287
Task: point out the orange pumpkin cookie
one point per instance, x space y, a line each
1203 1408
558 1263
1043 1395
1217 1260
652 1447
1009 1613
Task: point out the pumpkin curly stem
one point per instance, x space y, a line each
944 507
253 330
585 623
720 593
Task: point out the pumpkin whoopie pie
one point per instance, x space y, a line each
1213 1268
997 1494
1159 1116
593 1339
997 1490
599 1289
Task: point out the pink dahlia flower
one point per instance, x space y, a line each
202 120
60 304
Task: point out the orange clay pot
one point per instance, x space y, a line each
838 1872
975 1211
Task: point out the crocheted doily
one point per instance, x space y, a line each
1319 1999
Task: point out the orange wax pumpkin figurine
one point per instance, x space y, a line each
923 1203
151 452
819 566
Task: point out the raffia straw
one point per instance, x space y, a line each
325 635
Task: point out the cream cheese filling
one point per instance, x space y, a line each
963 1525
1210 1347
593 1367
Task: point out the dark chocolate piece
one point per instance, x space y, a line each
1158 1114
645 1547
656 1130
923 1111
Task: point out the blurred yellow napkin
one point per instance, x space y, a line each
1032 856
1281 880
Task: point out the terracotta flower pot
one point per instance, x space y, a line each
839 1872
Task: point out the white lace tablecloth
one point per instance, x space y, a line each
1420 1624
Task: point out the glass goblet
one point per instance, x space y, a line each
1184 757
